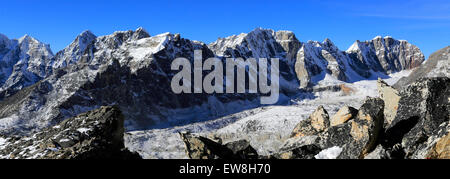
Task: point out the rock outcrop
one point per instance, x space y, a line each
198 147
419 129
422 118
23 62
355 137
97 134
390 97
386 54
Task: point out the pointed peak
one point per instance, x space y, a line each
27 38
354 47
140 29
140 33
327 41
86 33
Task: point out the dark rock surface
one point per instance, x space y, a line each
422 117
437 65
97 134
317 122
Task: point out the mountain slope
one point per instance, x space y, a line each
72 53
386 55
310 62
437 65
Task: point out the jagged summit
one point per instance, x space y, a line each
141 33
387 55
86 33
74 51
4 44
24 61
25 37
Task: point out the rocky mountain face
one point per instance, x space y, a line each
131 69
386 55
437 65
97 134
75 51
420 128
309 62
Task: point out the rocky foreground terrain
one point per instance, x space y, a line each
97 134
418 129
110 97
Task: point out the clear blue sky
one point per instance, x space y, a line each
424 23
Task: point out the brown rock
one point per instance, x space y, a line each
317 122
343 115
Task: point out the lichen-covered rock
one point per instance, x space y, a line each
420 129
422 118
343 115
357 137
97 134
199 147
390 97
317 122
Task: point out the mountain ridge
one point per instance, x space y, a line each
122 69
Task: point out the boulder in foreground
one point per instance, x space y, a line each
97 134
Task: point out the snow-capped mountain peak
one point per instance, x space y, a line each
73 52
24 61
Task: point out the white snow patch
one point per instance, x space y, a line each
2 143
64 140
83 130
330 153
